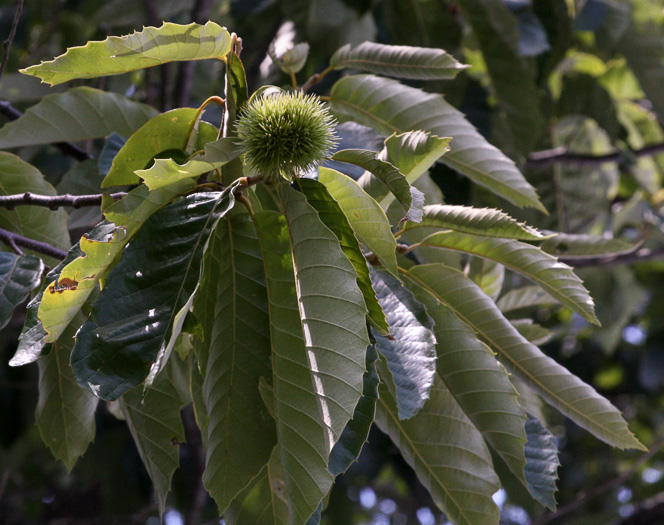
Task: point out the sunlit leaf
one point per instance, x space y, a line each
397 61
478 382
303 438
365 216
332 313
65 295
480 221
167 132
410 198
555 277
333 217
151 47
390 107
167 171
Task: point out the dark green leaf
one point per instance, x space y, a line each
346 451
134 313
35 222
497 33
233 355
18 277
65 411
559 387
155 424
541 462
447 453
411 350
78 114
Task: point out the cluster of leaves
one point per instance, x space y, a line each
265 294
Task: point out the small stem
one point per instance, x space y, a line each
12 32
240 197
293 80
245 182
199 111
316 78
54 202
14 241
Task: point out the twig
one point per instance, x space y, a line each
561 155
612 483
16 242
642 255
67 148
54 201
7 44
315 79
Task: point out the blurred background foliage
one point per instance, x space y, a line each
573 91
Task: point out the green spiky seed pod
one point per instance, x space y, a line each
285 134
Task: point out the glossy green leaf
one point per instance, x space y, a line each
413 153
410 351
167 171
293 60
560 388
542 462
134 314
332 313
19 275
80 113
410 198
65 295
390 107
237 96
233 355
32 340
304 443
155 425
166 132
497 32
447 453
524 297
478 382
34 222
346 451
65 411
151 47
397 61
555 277
333 217
365 216
480 221
572 246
